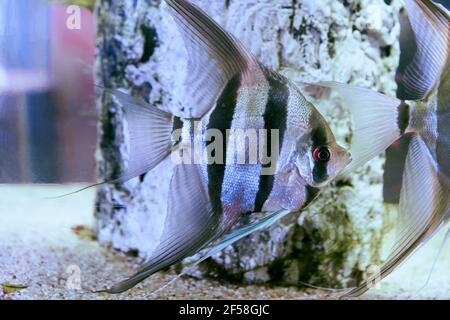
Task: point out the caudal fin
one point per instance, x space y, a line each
147 133
147 137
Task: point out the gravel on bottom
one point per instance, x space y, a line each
40 250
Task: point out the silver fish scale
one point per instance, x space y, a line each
423 119
241 182
291 194
298 120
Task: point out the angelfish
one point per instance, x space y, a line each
380 120
227 88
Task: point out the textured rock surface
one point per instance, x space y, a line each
39 249
339 236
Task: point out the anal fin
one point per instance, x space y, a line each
190 225
424 208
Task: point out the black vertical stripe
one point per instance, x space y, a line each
177 124
311 194
403 116
221 119
275 116
443 140
319 138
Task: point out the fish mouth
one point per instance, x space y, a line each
349 158
344 155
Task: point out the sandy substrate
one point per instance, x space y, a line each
39 249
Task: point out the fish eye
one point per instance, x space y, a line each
322 154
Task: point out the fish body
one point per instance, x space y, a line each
380 120
222 174
274 105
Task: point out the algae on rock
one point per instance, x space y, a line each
139 49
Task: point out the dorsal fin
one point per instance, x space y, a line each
215 57
430 23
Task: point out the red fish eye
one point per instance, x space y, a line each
322 154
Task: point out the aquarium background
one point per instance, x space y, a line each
47 110
48 136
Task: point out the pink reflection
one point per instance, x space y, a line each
72 58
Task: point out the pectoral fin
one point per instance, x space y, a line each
234 236
244 231
230 238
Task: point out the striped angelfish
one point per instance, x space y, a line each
230 97
380 120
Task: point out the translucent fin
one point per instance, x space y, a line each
190 225
148 138
215 57
375 120
430 23
244 231
438 254
231 238
147 131
443 119
444 94
424 207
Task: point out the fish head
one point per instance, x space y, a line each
319 158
